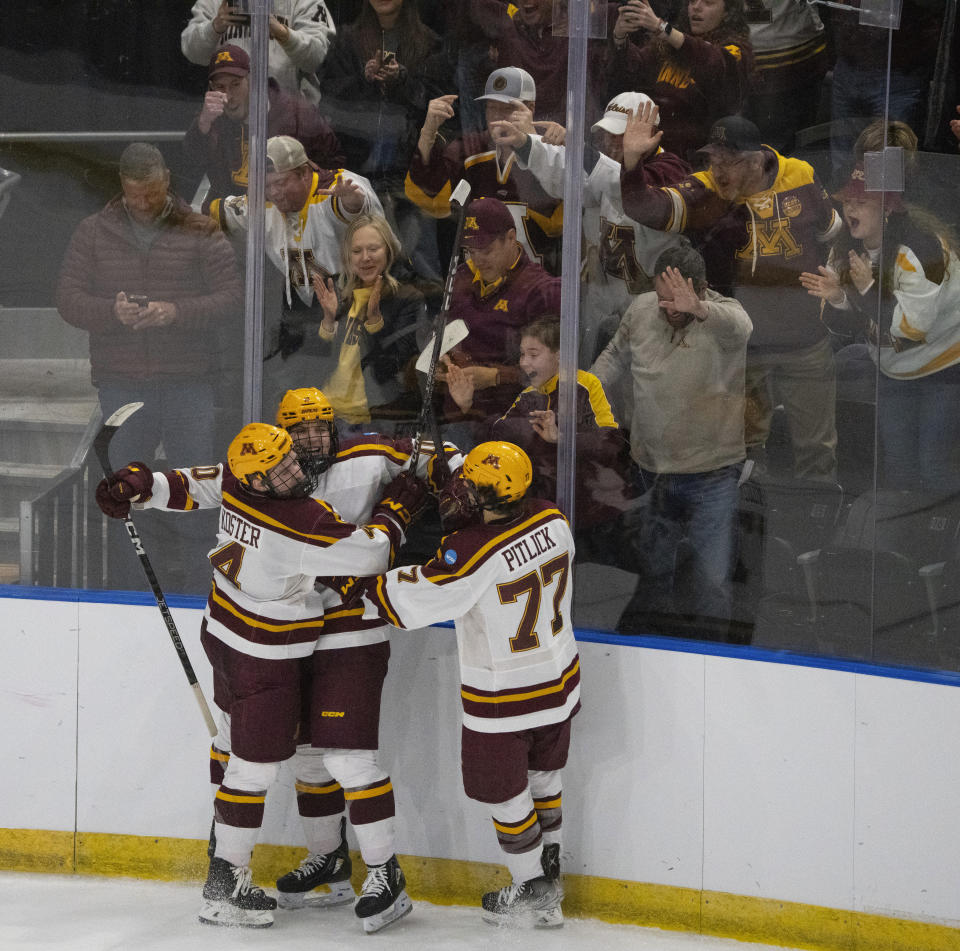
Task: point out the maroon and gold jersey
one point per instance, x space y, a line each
508 588
268 555
538 216
766 241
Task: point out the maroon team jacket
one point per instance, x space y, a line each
495 315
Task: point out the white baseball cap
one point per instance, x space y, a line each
509 83
626 104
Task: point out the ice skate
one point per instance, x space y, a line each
535 902
550 863
296 888
230 898
383 899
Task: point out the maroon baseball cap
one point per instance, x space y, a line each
856 188
485 219
229 59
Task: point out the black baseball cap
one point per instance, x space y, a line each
735 134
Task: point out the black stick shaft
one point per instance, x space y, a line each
426 411
100 447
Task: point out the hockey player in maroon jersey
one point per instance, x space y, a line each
505 579
260 630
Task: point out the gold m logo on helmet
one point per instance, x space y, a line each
471 224
248 449
491 460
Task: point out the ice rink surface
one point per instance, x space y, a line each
53 912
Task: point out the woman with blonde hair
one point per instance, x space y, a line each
367 336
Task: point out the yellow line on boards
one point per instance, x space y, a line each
451 882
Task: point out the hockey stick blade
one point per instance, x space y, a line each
461 193
101 448
101 443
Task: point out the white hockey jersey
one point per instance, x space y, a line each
353 486
269 552
508 588
628 251
307 241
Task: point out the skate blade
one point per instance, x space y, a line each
399 909
540 918
226 915
339 894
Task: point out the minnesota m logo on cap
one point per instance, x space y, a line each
471 224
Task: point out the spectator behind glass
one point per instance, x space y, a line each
218 141
150 280
296 49
790 62
308 211
489 165
695 72
532 423
381 72
894 274
496 293
760 217
684 347
620 254
153 283
368 335
522 35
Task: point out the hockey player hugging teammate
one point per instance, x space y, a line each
505 576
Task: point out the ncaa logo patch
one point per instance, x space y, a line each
450 556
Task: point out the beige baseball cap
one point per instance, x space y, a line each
284 153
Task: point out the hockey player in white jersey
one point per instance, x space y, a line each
336 765
505 579
260 629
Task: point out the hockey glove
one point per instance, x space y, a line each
456 505
133 483
349 587
403 499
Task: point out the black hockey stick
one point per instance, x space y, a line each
101 447
427 417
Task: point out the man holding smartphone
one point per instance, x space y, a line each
150 280
301 32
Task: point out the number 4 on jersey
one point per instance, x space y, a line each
228 561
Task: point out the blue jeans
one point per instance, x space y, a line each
919 423
686 546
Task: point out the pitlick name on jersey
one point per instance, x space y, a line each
240 529
536 543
